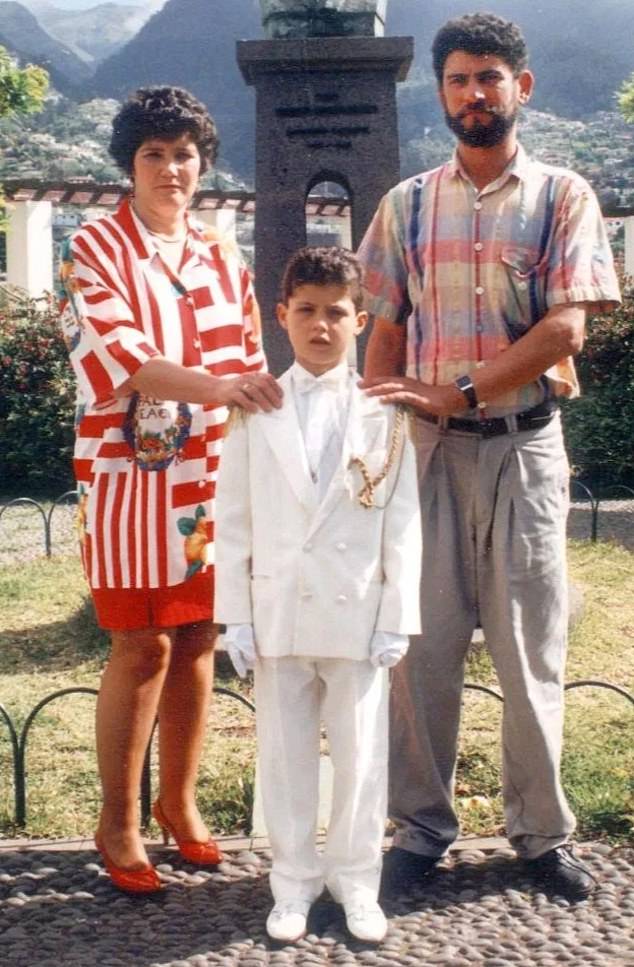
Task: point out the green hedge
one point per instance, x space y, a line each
599 426
37 399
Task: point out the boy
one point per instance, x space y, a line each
318 564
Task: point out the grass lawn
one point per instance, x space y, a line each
48 641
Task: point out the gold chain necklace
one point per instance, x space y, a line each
366 494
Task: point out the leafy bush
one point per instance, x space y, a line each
600 425
37 394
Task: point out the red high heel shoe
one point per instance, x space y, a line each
203 854
143 880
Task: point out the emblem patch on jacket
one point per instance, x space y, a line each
156 431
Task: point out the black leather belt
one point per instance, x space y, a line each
531 419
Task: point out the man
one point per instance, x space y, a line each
479 276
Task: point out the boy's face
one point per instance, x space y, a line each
321 321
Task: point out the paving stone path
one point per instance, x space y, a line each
58 909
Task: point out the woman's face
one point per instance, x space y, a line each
166 173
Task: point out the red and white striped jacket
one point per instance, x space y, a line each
146 468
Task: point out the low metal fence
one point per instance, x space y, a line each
19 739
619 498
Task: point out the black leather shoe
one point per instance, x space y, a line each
559 871
403 869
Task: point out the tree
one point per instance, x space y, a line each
625 98
22 91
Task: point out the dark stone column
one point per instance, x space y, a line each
326 111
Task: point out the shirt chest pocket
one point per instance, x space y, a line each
525 279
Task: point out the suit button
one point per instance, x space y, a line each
341 599
341 546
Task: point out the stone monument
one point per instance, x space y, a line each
325 81
323 18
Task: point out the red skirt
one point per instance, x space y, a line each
130 609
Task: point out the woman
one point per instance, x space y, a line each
163 334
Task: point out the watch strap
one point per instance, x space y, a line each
467 388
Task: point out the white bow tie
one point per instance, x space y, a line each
306 382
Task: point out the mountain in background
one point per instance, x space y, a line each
94 33
192 43
22 35
580 54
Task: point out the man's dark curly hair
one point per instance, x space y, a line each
166 113
479 34
323 265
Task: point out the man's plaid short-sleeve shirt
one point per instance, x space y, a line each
470 272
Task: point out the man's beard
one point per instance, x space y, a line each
482 135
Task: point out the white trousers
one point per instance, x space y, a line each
293 695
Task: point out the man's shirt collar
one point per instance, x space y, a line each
517 167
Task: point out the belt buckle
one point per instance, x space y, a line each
494 426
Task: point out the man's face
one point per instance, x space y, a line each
481 97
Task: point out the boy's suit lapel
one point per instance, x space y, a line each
284 436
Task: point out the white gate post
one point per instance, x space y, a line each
30 246
222 219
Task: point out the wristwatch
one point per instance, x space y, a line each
467 388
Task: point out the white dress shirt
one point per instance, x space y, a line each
322 408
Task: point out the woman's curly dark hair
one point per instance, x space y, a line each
162 112
479 34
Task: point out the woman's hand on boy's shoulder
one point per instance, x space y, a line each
251 391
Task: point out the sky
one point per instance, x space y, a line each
150 5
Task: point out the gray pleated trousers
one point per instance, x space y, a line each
494 515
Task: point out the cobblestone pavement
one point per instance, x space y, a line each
58 909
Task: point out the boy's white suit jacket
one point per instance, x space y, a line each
316 578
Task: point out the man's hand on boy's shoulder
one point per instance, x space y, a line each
439 400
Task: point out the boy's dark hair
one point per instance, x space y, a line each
479 34
323 265
162 112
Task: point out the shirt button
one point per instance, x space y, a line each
479 290
308 547
341 546
479 328
521 285
478 246
307 594
202 483
477 205
196 343
341 599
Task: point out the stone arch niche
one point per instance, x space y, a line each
324 105
328 210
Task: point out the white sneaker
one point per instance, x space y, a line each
287 920
366 921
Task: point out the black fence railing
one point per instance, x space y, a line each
596 498
580 494
19 739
